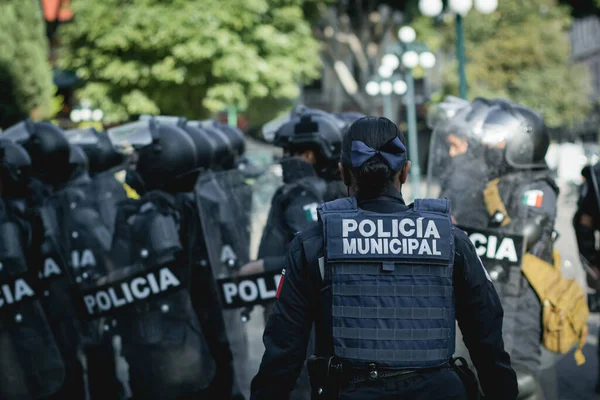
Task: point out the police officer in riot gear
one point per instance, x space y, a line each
519 198
526 205
163 342
312 143
203 292
31 366
373 342
51 168
77 206
223 199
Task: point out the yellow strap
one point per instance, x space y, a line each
493 202
579 357
131 193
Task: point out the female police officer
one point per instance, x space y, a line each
383 283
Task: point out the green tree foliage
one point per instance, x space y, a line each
25 74
521 52
189 57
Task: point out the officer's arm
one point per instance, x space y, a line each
479 314
287 331
299 214
534 216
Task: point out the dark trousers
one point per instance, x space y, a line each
74 385
102 372
441 384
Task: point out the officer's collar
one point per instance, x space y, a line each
388 191
295 168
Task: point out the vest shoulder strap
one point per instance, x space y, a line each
339 205
434 205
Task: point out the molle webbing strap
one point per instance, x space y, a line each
493 201
391 356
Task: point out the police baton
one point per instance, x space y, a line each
595 184
588 269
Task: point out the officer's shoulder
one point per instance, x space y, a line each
540 194
315 231
461 239
297 189
545 185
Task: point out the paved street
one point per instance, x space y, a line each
566 382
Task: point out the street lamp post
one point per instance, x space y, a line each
389 63
433 8
85 113
232 118
460 55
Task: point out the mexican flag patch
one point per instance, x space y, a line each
310 211
533 198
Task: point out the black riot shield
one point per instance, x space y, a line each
147 293
233 212
224 201
85 242
31 365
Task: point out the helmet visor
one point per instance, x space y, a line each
82 137
17 133
126 138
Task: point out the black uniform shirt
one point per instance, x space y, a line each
305 299
293 209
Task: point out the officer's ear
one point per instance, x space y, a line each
404 172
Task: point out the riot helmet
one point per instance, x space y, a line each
166 155
236 138
97 147
205 146
457 168
440 113
317 131
514 138
456 128
79 161
224 155
48 148
15 169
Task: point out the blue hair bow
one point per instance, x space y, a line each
393 152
